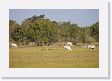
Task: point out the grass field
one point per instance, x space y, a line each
53 57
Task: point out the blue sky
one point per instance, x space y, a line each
83 17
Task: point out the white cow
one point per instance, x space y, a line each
69 44
85 46
68 48
91 47
14 45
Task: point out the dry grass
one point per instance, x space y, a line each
53 57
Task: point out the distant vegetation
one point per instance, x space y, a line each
45 32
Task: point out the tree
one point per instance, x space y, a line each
44 31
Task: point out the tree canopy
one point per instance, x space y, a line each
44 31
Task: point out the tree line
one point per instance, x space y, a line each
43 31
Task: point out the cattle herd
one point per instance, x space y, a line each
68 46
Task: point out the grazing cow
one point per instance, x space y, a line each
67 48
14 45
85 46
91 47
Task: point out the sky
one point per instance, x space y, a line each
83 17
